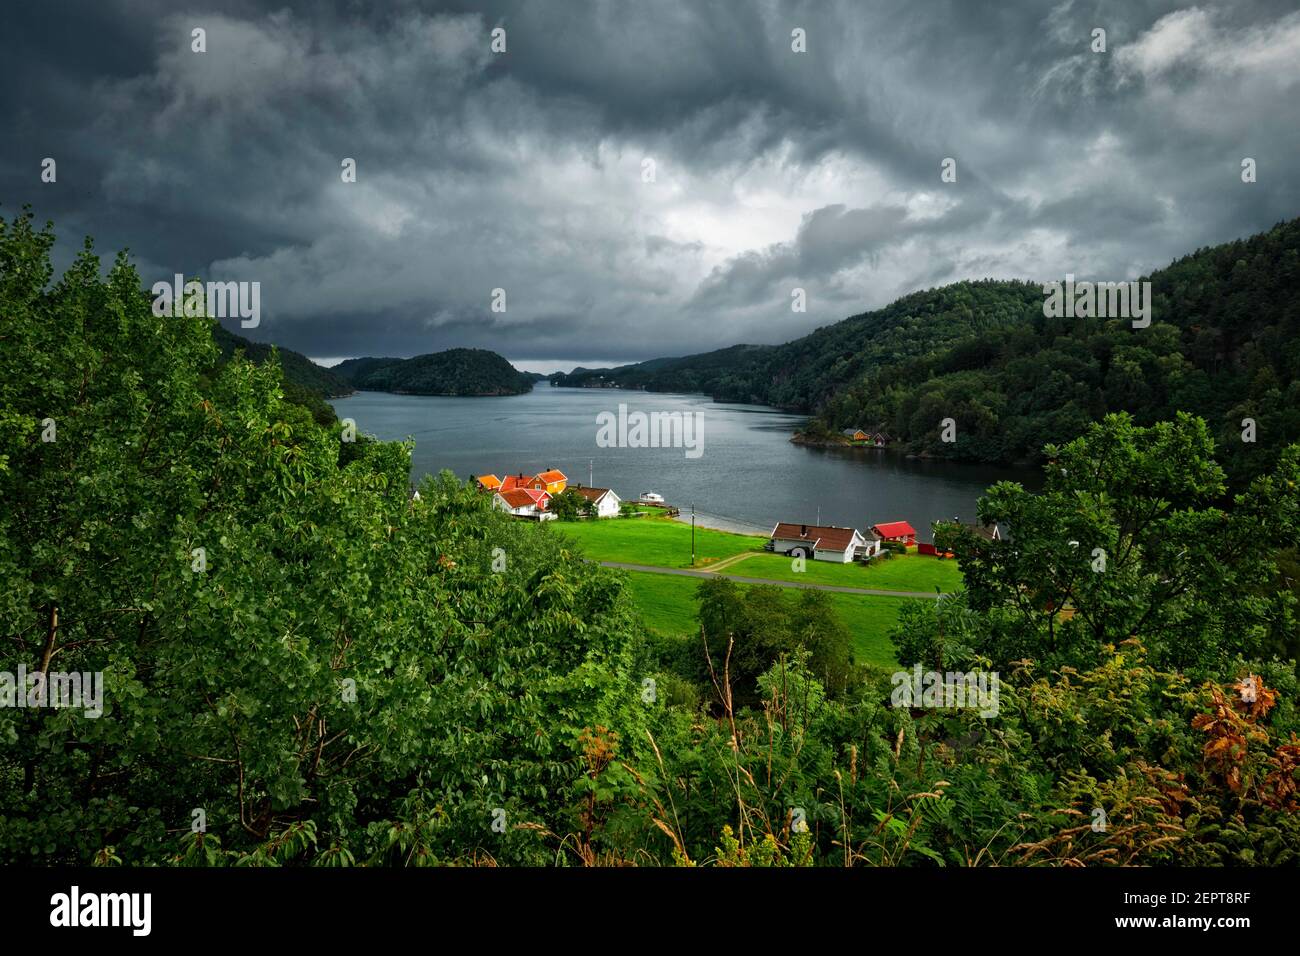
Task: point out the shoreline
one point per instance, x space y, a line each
721 523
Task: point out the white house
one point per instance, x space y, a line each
604 498
819 542
524 503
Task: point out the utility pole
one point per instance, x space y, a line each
692 534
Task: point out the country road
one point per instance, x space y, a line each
687 573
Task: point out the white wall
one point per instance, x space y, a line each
786 545
839 557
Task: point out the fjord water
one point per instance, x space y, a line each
748 477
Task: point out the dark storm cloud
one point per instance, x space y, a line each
526 171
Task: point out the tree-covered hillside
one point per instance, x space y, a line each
305 382
1224 343
464 372
802 374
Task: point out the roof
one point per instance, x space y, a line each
489 481
989 532
518 497
826 537
510 482
894 529
591 494
851 431
552 475
539 497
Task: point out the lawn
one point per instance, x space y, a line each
667 605
910 572
667 602
660 542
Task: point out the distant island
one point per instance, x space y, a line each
456 372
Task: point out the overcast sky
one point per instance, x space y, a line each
526 171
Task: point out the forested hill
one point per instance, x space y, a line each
1224 343
802 374
463 372
304 382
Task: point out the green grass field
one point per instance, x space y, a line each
909 572
667 605
667 602
660 542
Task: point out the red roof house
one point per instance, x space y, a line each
899 531
525 503
511 482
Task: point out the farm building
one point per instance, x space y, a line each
605 500
899 531
819 542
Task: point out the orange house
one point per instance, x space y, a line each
551 481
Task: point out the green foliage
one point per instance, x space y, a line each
568 505
746 631
343 661
1131 537
303 381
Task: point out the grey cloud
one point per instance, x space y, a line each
522 171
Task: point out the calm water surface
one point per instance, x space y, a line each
748 477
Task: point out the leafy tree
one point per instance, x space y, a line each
568 505
1130 537
321 667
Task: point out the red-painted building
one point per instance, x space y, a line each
899 531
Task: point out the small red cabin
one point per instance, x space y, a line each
899 531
